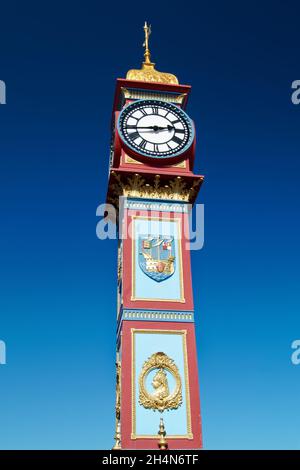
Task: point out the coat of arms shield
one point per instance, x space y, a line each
157 256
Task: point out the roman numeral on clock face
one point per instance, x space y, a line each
134 135
143 144
176 140
143 111
154 110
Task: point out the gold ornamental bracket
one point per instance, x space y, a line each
148 73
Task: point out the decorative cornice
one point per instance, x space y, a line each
183 316
135 204
137 186
136 94
158 315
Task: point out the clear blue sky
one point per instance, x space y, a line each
58 281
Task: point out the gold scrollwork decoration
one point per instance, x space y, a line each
161 398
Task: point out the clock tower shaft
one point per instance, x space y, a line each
153 188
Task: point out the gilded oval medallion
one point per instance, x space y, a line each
160 397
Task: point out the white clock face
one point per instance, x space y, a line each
155 129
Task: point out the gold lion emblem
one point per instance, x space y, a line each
160 398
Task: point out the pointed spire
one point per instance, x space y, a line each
162 441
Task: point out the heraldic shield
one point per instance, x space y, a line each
157 257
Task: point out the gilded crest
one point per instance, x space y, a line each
156 258
161 397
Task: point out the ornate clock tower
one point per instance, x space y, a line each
152 185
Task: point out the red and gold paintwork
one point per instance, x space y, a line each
125 164
126 410
127 270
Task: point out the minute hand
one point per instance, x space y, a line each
156 128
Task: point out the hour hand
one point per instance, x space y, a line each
166 128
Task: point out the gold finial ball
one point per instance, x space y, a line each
162 441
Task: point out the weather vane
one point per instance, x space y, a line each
148 73
147 30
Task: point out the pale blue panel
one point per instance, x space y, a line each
147 421
145 287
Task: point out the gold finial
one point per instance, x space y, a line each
148 73
147 54
162 442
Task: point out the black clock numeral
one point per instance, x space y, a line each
156 149
143 111
134 135
130 126
179 131
154 109
176 140
143 144
176 122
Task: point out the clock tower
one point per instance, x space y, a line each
153 187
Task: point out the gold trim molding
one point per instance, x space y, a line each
133 261
183 333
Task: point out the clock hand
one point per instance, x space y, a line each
155 128
158 128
